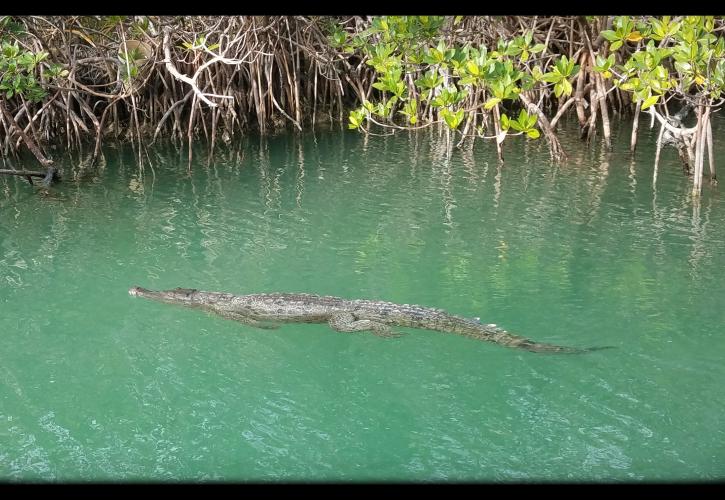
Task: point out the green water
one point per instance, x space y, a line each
98 385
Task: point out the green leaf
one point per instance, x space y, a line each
683 67
472 68
399 89
491 103
505 122
533 133
528 37
610 35
650 101
459 117
552 77
453 120
469 80
567 87
537 73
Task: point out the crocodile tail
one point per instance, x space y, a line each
599 348
557 349
492 333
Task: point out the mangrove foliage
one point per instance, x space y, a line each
74 82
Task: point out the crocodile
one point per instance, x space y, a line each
265 310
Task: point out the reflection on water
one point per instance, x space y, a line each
97 385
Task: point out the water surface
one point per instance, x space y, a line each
98 385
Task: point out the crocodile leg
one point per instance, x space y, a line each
346 322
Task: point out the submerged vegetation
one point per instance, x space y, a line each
75 81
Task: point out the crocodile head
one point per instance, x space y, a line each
185 296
